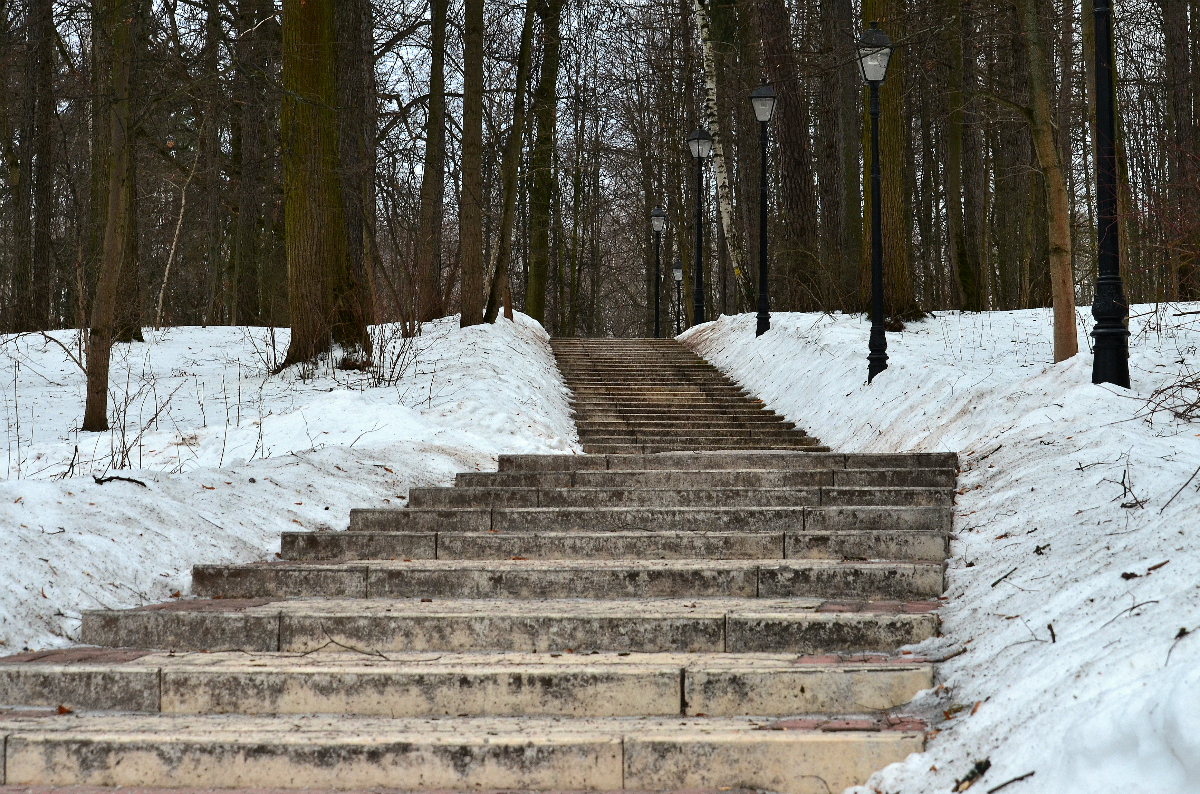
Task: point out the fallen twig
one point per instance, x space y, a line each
1186 484
1124 611
102 480
994 789
1005 576
1183 632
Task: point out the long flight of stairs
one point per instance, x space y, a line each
654 395
630 618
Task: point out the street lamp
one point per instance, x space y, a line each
677 272
658 221
874 52
763 100
700 142
1110 308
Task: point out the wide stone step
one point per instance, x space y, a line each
911 478
755 422
721 461
458 684
681 425
373 626
235 751
675 497
662 400
699 432
609 579
565 519
906 545
659 391
685 445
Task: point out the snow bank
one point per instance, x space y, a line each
230 457
1068 517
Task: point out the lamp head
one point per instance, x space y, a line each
763 100
677 271
874 52
658 219
700 142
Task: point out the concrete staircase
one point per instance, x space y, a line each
654 395
654 620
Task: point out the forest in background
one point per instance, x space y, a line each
510 153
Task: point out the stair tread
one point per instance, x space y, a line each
674 607
474 660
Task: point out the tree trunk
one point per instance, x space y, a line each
798 252
962 258
899 300
322 294
733 244
120 20
508 177
1058 218
41 47
356 141
20 168
250 86
1179 113
545 111
433 178
470 209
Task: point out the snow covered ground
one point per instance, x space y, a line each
230 457
1071 516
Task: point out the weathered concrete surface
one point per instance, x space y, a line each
636 625
315 752
577 578
780 460
784 761
480 683
634 545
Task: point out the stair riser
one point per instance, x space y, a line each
578 690
699 431
682 426
441 498
878 545
375 633
828 519
772 580
684 445
787 461
333 764
862 478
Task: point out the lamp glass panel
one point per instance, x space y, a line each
764 107
873 61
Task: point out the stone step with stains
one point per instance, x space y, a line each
565 519
802 478
637 625
899 545
457 684
236 751
581 578
734 460
442 498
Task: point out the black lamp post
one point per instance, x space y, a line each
1111 362
763 100
700 142
677 272
658 221
874 52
